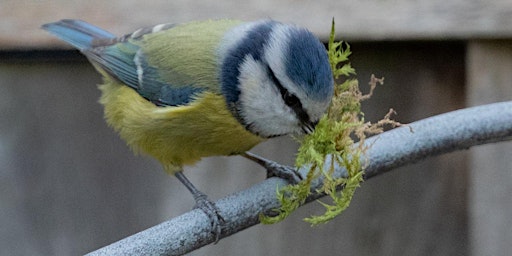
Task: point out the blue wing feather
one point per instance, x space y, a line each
78 33
152 87
117 61
123 60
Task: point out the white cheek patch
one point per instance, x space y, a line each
261 104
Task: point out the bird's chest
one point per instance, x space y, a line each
176 135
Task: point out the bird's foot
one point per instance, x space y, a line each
205 205
213 213
282 171
275 169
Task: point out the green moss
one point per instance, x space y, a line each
332 138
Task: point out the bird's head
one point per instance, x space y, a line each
276 77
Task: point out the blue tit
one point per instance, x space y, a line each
180 92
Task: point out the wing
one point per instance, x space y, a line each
169 63
126 60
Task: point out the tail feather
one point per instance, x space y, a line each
78 33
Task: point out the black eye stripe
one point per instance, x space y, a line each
285 94
290 99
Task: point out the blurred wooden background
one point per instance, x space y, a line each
69 185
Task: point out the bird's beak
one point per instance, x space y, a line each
309 126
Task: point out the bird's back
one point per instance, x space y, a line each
187 53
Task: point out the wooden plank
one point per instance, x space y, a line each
356 20
490 209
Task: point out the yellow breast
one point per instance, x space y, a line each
175 136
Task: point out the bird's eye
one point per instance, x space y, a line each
290 99
293 102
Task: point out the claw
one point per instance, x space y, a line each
205 205
284 172
274 169
213 213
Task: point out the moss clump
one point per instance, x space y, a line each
332 138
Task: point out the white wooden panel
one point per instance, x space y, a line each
357 20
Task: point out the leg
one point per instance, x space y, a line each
202 202
274 169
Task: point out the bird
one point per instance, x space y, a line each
183 91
